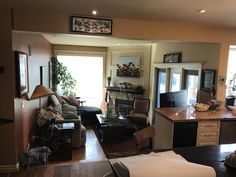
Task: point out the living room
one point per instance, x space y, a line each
14 38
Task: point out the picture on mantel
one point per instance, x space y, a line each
127 70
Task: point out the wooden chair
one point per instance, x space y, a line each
142 136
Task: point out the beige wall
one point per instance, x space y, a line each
205 53
143 52
7 91
25 111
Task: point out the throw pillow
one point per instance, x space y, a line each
74 101
67 100
69 115
60 99
71 101
53 100
57 108
69 112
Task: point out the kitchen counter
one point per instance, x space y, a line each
181 127
189 114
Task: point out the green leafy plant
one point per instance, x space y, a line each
62 77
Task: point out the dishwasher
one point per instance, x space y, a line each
228 132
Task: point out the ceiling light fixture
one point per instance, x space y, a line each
94 12
201 11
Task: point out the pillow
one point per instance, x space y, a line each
69 115
71 100
67 100
53 100
57 108
74 101
60 99
69 112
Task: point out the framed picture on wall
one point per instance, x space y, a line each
44 76
208 79
172 58
22 73
91 25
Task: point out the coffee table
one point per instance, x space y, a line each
112 129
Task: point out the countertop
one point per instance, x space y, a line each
189 114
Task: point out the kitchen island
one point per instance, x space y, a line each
181 127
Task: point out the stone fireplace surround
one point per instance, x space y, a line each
121 100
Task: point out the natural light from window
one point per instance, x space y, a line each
231 64
88 72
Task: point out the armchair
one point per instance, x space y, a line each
139 114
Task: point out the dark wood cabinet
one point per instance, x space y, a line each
61 144
185 134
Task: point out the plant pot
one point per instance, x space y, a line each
230 100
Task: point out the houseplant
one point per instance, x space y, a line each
231 88
61 76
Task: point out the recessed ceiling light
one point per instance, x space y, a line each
201 11
94 12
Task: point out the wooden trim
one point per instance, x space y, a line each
9 168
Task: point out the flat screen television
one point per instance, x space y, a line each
174 99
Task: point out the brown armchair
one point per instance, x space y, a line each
139 114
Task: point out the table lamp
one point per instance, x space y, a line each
39 92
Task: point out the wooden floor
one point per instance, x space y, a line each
91 152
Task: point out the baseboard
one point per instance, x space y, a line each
9 168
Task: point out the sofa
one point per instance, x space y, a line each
61 112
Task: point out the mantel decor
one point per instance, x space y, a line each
172 58
22 73
91 25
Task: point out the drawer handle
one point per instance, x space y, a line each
208 135
209 126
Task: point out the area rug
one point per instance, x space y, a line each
117 149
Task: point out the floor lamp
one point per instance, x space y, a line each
39 92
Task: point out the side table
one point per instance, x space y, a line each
61 144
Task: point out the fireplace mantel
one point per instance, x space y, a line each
118 89
113 93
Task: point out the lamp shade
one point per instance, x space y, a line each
41 91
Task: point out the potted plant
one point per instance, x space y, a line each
61 76
231 91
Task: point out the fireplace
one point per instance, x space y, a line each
123 107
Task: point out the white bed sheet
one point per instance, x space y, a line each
164 164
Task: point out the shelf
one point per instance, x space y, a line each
132 91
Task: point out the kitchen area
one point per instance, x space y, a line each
182 127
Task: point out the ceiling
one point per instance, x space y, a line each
89 40
219 12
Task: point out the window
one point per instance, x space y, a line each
175 80
161 84
231 65
88 72
191 84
